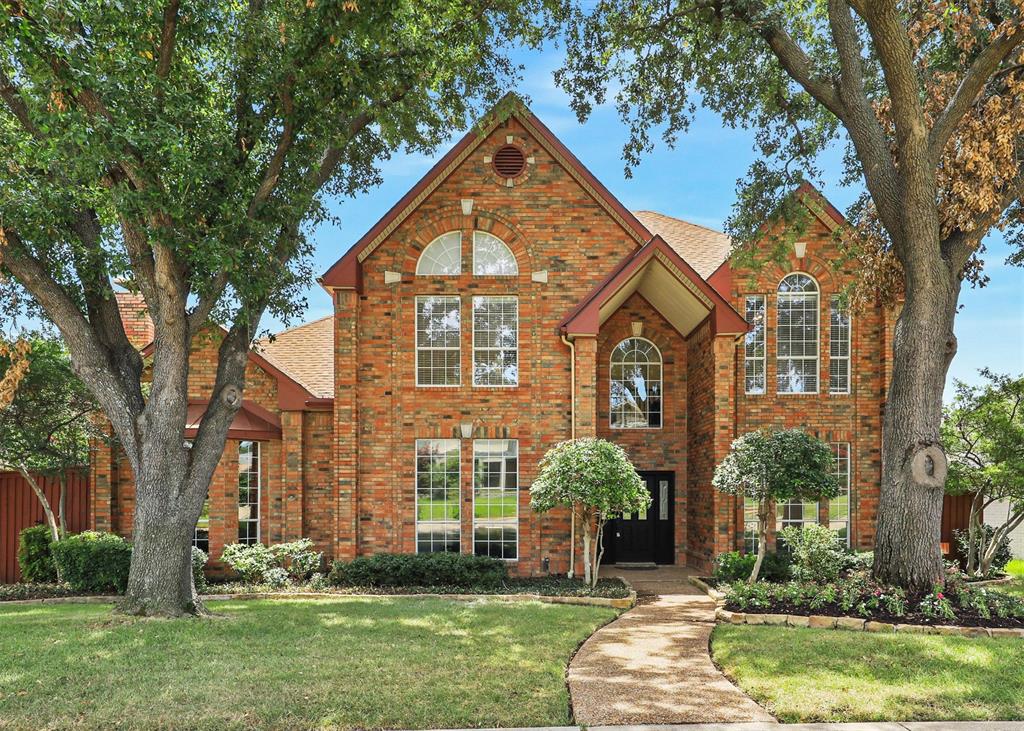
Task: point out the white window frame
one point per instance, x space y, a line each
258 454
515 262
416 493
485 521
837 456
476 349
661 387
834 342
437 240
749 360
428 348
750 524
780 296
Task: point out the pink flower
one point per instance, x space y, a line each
939 596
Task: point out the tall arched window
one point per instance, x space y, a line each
635 385
442 257
491 256
797 335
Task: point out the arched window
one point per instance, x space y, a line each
491 257
635 387
442 257
797 335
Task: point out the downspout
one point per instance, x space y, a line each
572 434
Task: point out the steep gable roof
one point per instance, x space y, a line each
306 354
347 271
703 248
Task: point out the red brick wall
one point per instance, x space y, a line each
855 417
662 449
135 318
700 512
550 223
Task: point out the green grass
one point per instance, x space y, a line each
345 663
804 675
1014 568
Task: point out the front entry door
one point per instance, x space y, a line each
646 536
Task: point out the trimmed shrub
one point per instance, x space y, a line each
94 562
423 569
736 566
816 551
259 564
35 557
199 559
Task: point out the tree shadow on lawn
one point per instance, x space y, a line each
825 675
293 663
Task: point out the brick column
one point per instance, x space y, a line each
725 506
291 474
346 432
100 492
585 397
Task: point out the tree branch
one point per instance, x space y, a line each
167 38
972 84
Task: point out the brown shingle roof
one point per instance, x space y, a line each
306 353
703 248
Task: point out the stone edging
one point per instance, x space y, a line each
856 624
711 591
592 601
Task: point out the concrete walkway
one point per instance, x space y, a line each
651 665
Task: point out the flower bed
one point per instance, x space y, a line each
858 597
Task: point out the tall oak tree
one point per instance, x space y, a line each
928 97
187 148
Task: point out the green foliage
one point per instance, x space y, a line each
47 427
199 559
275 565
983 434
93 562
777 466
35 557
734 566
817 553
1003 552
21 591
591 472
420 570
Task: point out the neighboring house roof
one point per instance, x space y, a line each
703 248
306 354
347 271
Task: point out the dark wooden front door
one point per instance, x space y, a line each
647 536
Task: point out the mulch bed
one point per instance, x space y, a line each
964 618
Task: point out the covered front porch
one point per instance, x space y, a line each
654 352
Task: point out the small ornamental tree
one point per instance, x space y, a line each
46 424
596 480
770 467
983 434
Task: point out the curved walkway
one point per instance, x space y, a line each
651 665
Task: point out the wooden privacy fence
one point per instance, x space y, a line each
20 508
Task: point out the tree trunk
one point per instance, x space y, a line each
598 550
587 568
907 539
62 503
763 513
51 522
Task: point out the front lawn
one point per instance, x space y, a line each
805 675
347 663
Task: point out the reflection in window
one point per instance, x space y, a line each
201 536
248 492
754 347
442 257
496 498
438 331
635 385
796 514
437 495
495 341
839 506
491 257
750 534
797 335
839 347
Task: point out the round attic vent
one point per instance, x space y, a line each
509 161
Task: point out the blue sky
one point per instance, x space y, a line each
695 181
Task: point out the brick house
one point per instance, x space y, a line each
506 303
